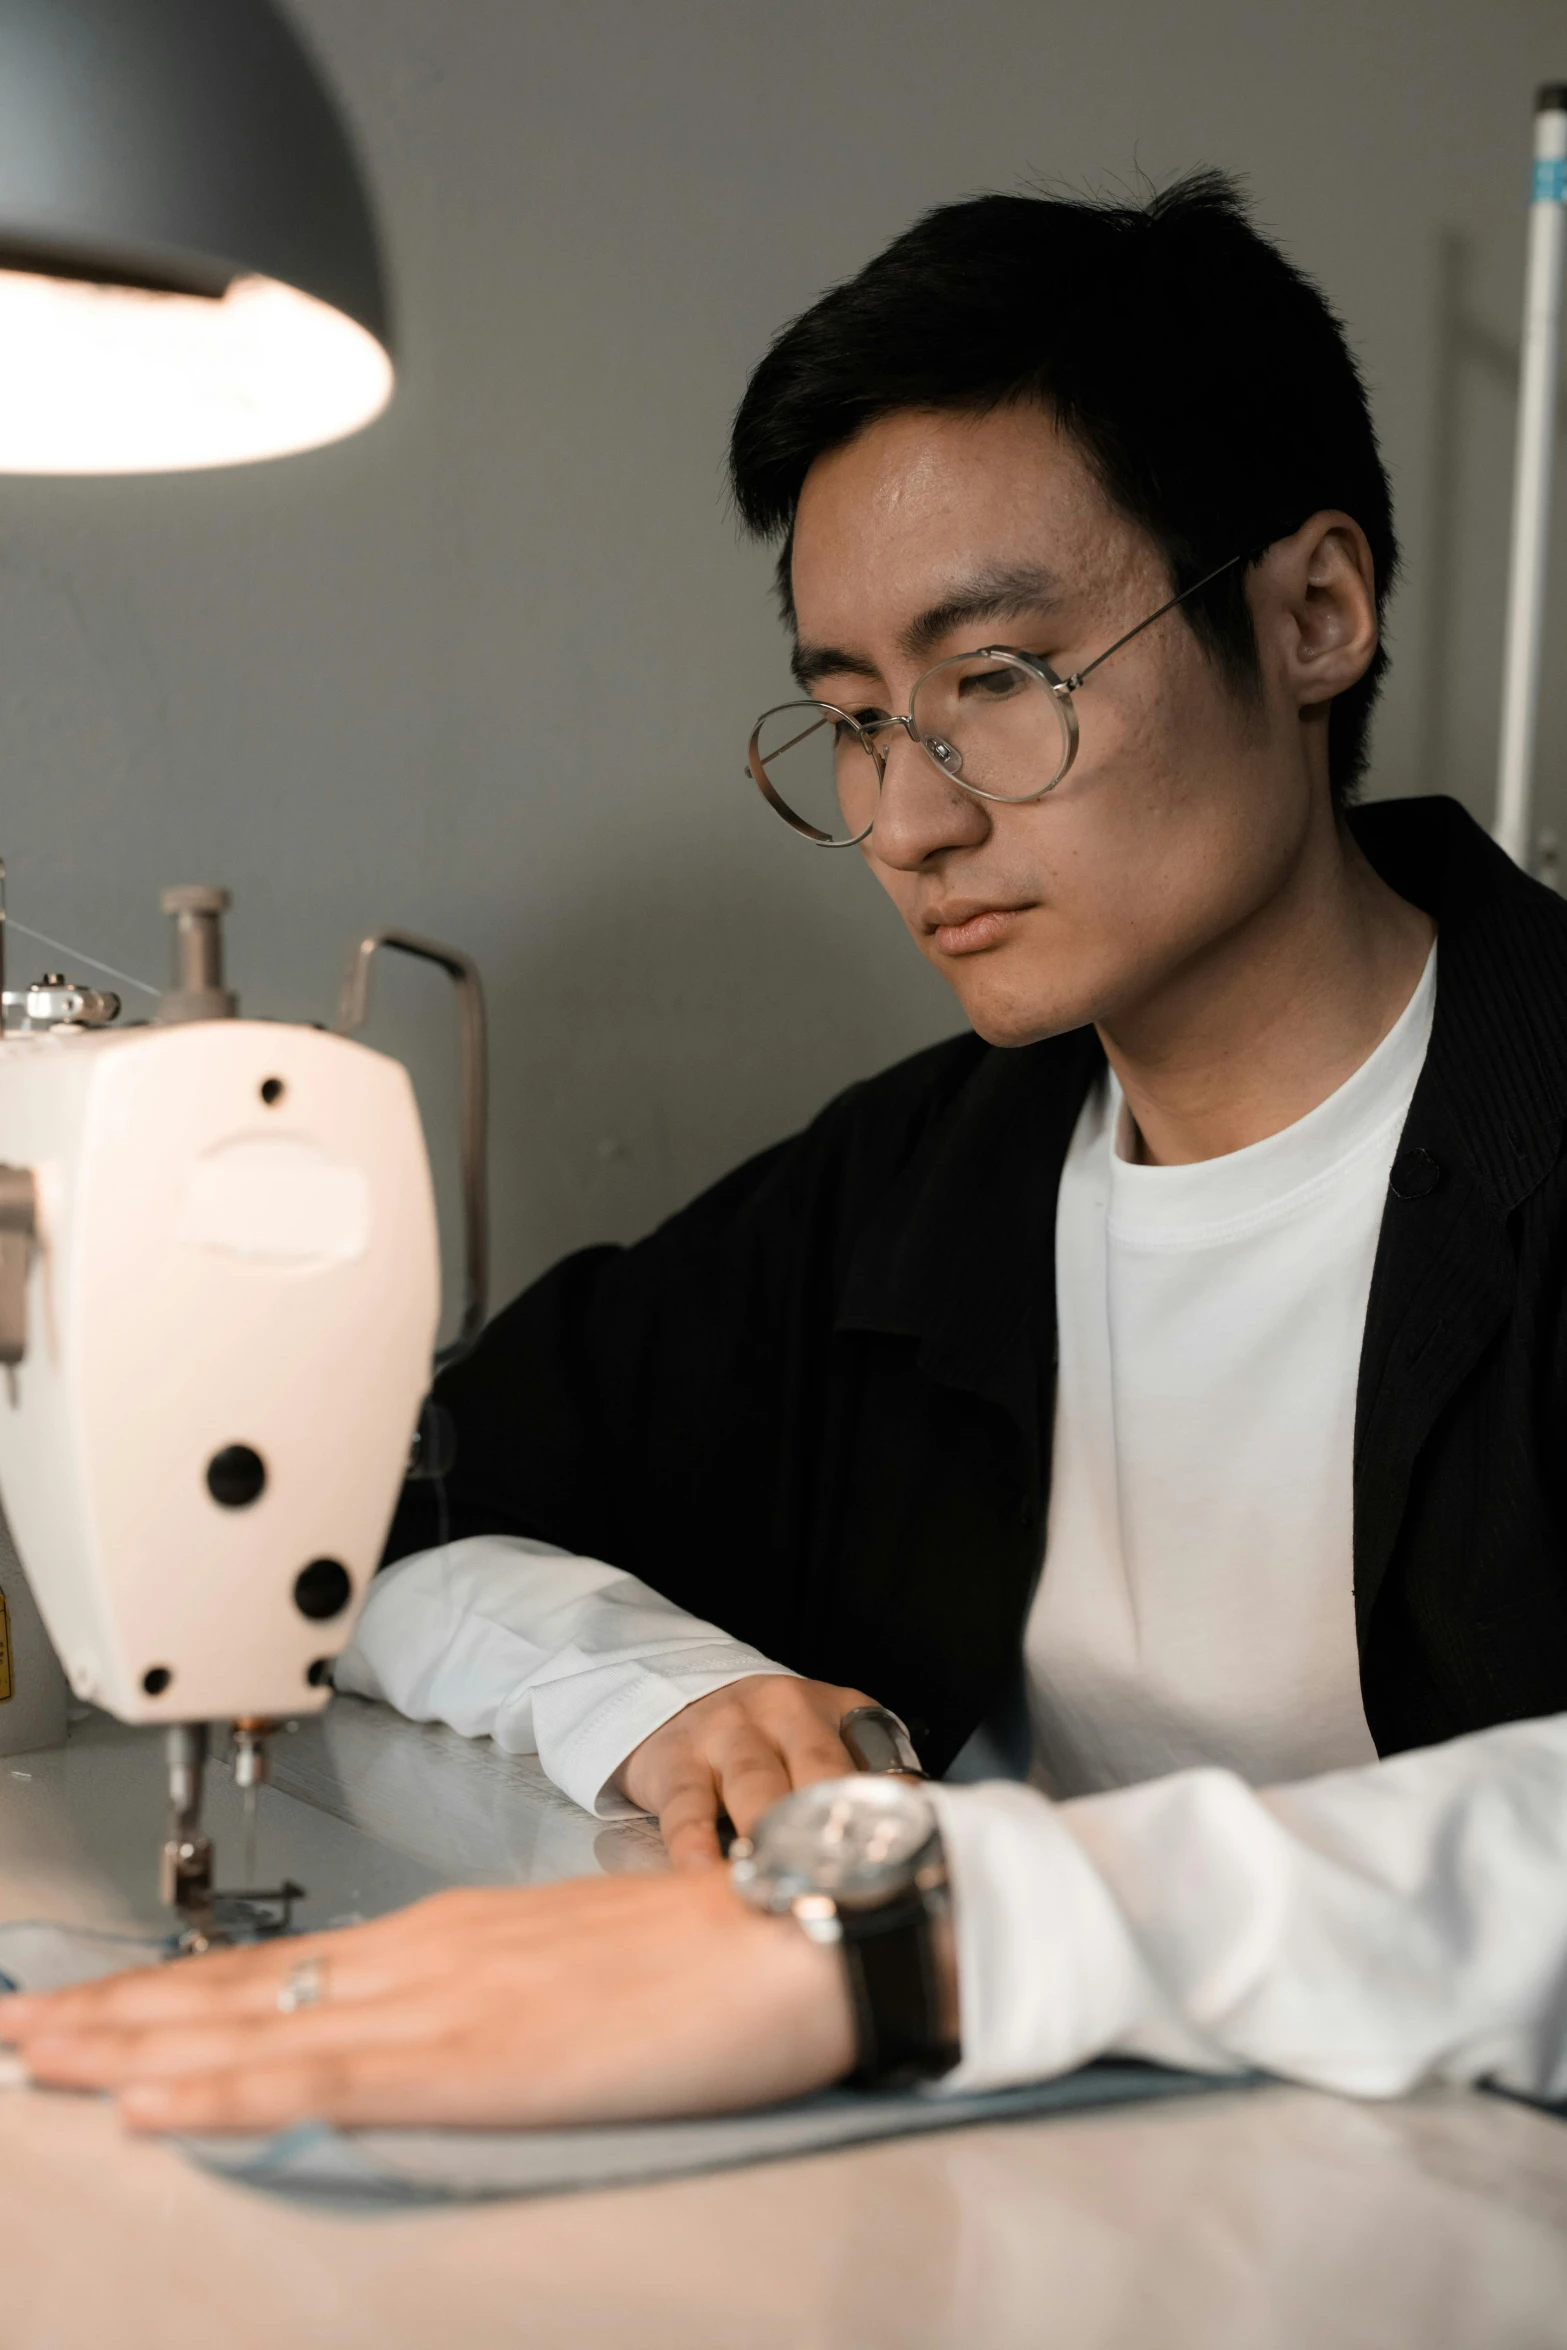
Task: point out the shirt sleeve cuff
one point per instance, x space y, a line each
588 1726
1049 1975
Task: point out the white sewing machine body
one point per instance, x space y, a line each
234 1261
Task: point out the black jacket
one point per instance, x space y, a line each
815 1407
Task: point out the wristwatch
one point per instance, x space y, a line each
858 1862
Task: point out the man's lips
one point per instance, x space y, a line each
966 930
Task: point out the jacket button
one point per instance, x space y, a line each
1415 1173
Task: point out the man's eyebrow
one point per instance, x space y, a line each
809 662
1026 588
1009 594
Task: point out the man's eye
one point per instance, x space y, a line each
991 685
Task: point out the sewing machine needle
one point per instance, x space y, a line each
250 1836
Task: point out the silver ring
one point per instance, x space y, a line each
303 1986
878 1741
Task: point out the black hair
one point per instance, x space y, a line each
1205 377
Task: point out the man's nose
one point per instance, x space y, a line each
920 813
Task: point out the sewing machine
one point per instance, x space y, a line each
219 1292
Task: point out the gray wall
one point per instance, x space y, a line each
488 670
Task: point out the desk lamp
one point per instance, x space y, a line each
188 268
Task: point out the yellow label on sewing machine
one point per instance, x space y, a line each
7 1684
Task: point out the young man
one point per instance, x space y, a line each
1161 1386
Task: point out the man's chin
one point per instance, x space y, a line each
1008 1015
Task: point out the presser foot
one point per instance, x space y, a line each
185 1878
210 1919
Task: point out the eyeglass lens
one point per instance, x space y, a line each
821 773
992 725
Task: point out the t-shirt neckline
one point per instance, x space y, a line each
1213 1198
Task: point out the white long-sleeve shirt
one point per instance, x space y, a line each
1360 1929
547 1654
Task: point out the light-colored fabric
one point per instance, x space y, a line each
1196 1604
547 1654
1361 1931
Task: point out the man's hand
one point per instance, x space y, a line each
598 2000
738 1750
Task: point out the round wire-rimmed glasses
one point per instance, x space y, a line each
992 722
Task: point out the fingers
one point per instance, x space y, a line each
814 1751
793 1742
745 1746
112 2057
228 1982
261 2099
207 1985
688 1816
365 1962
353 2088
214 1983
752 1774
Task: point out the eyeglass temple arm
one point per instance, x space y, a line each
814 728
1072 683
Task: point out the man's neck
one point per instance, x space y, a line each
1273 1018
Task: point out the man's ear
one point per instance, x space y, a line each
1319 588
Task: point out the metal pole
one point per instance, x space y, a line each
1532 478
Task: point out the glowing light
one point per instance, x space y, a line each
114 379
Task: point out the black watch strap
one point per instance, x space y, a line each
895 1981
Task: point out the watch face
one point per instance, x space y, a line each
853 1838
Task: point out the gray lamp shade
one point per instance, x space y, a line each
189 273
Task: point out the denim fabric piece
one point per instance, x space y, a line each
42 1954
443 2166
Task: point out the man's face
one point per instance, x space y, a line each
1188 803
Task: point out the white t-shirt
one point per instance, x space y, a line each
1197 1600
1192 1639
